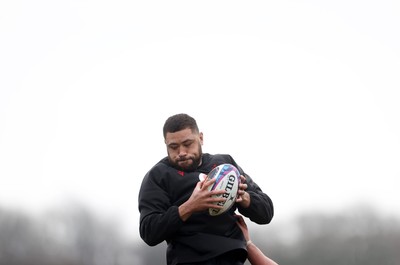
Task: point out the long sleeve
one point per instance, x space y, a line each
261 209
159 219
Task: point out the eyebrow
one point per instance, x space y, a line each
186 141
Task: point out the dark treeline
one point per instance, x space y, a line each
75 236
359 236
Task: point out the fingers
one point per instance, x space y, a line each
207 182
242 185
199 185
215 202
242 189
205 198
242 225
239 218
203 190
242 179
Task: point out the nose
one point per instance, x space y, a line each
182 152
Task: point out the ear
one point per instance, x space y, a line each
201 138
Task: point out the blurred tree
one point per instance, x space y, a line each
358 236
75 236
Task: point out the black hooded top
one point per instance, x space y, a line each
201 237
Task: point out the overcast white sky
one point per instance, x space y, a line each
303 94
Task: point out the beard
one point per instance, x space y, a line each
189 163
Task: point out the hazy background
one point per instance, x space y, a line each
304 95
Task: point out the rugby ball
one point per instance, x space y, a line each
227 178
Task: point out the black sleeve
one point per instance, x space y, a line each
261 209
159 220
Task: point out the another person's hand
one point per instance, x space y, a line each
255 255
243 226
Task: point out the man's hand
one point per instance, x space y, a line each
243 197
201 199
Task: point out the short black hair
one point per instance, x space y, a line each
179 122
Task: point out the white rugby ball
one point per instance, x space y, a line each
227 178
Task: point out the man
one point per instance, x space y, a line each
174 202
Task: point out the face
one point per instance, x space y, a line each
184 149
